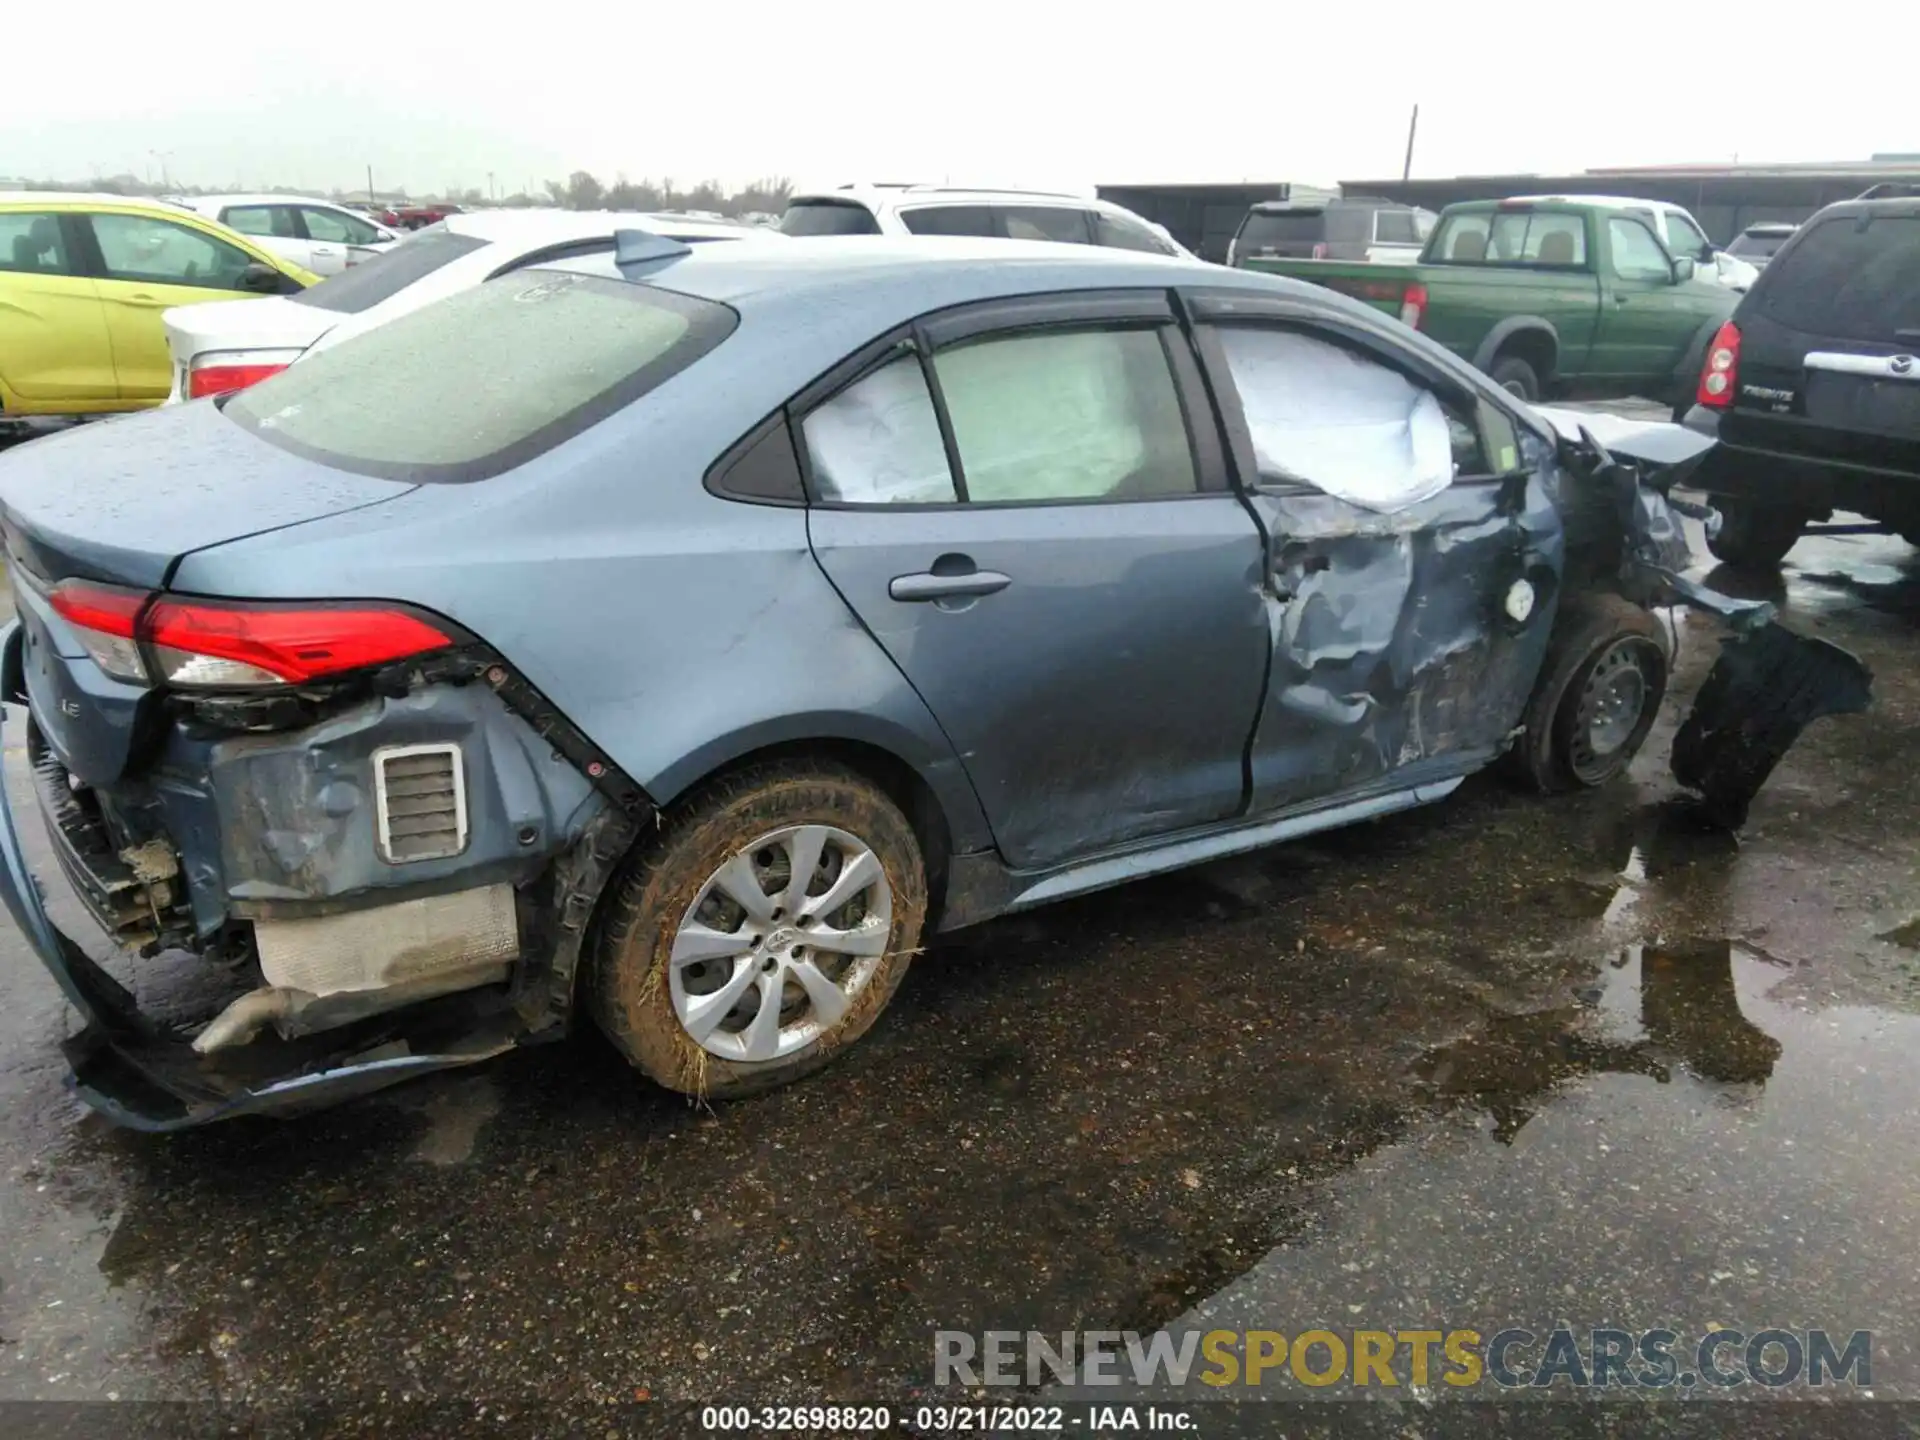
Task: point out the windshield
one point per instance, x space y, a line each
385 275
1850 276
828 217
483 380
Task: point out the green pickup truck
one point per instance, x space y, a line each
1561 297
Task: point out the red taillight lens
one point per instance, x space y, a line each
1413 304
214 643
1319 249
103 619
209 643
1720 371
222 379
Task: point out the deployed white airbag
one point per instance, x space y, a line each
1319 413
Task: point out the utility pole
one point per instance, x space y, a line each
1413 125
492 194
370 199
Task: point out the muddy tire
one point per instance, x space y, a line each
762 931
1754 537
1516 377
1598 694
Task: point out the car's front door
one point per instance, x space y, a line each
1645 325
1027 506
1399 513
53 332
145 266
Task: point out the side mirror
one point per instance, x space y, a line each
1682 270
261 279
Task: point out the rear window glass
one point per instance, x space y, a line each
1757 247
1263 229
828 217
1850 276
492 376
382 276
1512 237
1395 227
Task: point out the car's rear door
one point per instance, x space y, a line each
1399 510
53 331
1026 504
1830 344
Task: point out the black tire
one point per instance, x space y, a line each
1595 638
1754 537
630 992
1516 376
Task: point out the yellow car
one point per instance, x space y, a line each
83 282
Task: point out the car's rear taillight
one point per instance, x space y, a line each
1720 370
102 618
1319 250
1413 304
216 379
220 644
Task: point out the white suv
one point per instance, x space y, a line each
317 234
1001 214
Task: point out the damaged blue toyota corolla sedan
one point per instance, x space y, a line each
686 636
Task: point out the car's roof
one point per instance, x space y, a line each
556 227
255 198
1897 205
1591 202
1770 227
80 199
899 195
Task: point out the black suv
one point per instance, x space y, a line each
1813 387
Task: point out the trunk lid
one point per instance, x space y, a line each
120 501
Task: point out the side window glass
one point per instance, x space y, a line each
33 244
949 220
1118 233
159 252
1636 254
1499 439
1044 222
252 220
333 227
1395 227
1066 415
878 441
1322 415
1687 239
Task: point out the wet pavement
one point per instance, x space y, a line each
1504 1061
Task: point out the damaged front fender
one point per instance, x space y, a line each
1770 682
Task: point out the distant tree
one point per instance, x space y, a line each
584 192
624 194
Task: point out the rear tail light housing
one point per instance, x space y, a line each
224 645
221 373
1720 369
1319 250
1413 305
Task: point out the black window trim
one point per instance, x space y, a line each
1145 308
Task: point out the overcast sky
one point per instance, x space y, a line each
981 91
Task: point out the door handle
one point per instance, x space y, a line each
1620 300
145 302
932 585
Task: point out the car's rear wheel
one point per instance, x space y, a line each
762 932
1754 537
1598 694
1516 377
